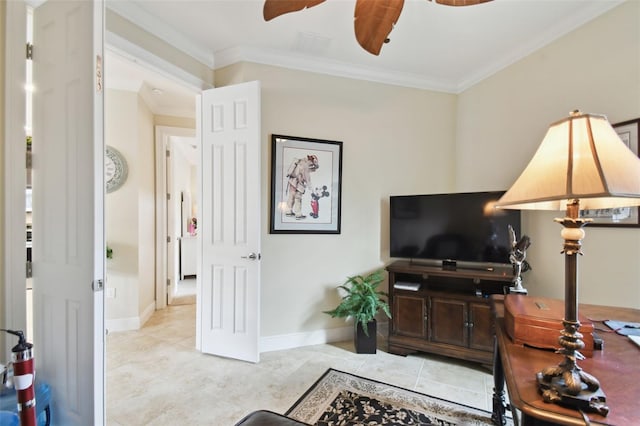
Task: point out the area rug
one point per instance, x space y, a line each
341 399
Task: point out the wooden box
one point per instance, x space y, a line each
537 322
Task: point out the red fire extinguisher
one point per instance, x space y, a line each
23 379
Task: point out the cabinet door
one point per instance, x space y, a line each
449 321
188 253
480 327
409 316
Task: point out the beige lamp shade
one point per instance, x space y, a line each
580 158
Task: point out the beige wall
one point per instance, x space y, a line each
129 211
145 162
399 140
413 141
3 323
502 120
395 141
121 207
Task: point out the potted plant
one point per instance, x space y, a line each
362 302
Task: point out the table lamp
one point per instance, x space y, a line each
581 164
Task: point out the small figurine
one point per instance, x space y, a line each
517 258
315 197
193 227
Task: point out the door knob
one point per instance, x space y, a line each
252 256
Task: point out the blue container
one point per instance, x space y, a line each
9 403
9 418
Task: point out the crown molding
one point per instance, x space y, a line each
162 30
137 54
326 66
297 61
552 34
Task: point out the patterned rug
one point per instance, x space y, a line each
341 399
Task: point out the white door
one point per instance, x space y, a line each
68 202
172 242
229 223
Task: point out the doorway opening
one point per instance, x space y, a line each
140 100
177 159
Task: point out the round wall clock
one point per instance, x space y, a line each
115 169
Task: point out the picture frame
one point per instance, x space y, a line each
625 217
306 185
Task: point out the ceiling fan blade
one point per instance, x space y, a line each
461 2
374 20
274 8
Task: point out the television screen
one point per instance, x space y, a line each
458 227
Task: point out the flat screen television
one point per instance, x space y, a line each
454 230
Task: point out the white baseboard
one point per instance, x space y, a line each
296 340
131 323
318 337
146 314
122 324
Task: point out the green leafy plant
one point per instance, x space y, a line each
362 300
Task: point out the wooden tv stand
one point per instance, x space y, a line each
449 314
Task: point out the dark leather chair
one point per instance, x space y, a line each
267 418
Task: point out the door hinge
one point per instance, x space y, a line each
168 282
97 285
168 153
168 196
29 269
29 51
99 74
168 239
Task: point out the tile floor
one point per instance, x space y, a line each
155 376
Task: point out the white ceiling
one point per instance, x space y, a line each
433 46
161 92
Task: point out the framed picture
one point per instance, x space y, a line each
306 185
628 217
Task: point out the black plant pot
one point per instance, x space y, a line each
366 344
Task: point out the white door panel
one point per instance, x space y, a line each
230 221
68 201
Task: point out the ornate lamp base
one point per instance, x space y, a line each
555 390
566 383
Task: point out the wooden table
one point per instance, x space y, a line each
616 366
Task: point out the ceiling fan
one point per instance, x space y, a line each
373 19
